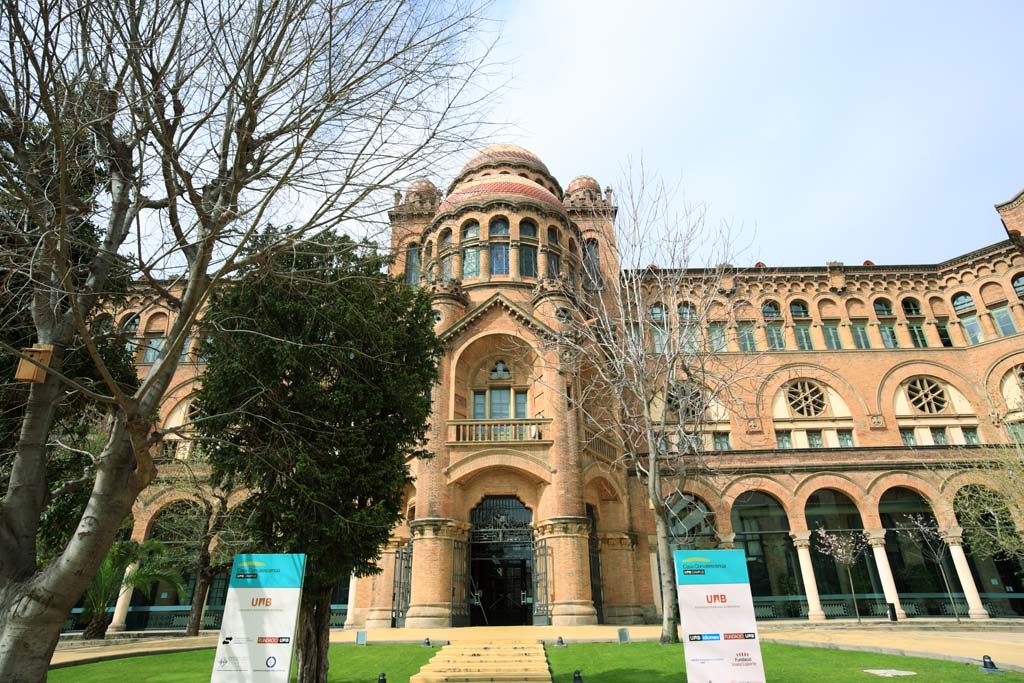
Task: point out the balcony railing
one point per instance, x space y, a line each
482 431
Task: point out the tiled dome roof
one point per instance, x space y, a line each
583 182
496 154
421 187
498 187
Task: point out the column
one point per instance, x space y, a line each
802 541
957 334
485 262
875 335
124 601
542 262
761 335
988 326
457 264
621 605
569 583
382 590
353 592
818 336
513 261
846 336
931 334
876 538
903 335
1017 309
430 600
789 334
954 539
727 541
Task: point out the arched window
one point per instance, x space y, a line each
445 241
926 395
798 309
770 309
471 231
553 237
689 332
592 265
1018 284
963 302
883 308
130 325
911 307
528 249
156 328
412 264
691 524
762 533
499 227
527 230
659 326
805 398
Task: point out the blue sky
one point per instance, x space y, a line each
828 130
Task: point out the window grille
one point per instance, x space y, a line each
926 395
806 398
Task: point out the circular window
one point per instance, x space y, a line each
926 395
806 398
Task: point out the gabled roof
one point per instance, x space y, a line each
498 300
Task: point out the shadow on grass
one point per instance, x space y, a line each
630 675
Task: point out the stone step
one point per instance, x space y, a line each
480 662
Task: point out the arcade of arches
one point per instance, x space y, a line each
874 379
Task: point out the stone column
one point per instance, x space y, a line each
876 538
430 600
846 336
1017 309
954 539
457 264
382 592
542 262
761 336
875 335
988 326
727 541
903 335
818 336
957 334
789 335
513 261
569 582
802 541
485 262
124 601
931 334
353 592
621 604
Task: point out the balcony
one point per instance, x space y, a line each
499 431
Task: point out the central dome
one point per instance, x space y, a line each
507 187
504 154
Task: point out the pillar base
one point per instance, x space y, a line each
901 615
376 618
356 618
116 628
623 614
573 613
973 614
429 616
816 616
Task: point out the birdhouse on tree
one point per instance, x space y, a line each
31 372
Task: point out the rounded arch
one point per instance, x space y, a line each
148 514
941 507
479 349
792 371
893 378
783 495
501 480
840 483
528 465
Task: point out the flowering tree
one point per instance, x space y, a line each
845 548
924 531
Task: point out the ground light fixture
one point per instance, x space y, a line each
383 678
989 667
426 642
559 642
577 677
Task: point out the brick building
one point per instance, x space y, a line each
878 377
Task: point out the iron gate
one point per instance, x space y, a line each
402 585
594 545
541 568
460 583
500 563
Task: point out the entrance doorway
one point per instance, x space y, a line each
501 590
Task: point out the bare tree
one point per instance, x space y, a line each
649 347
205 120
990 514
924 531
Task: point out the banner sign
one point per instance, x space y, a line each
717 613
257 633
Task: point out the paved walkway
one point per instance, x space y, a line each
1003 639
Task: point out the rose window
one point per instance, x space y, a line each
806 399
926 395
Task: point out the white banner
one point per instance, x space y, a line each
717 613
257 632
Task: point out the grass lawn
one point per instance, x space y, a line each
654 663
599 662
349 664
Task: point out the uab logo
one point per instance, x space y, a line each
261 602
715 598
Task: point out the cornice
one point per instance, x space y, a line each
1011 203
498 299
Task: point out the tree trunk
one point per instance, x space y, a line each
203 580
949 591
853 592
669 599
96 629
29 631
314 634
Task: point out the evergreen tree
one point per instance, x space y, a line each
315 397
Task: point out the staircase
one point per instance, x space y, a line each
507 661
